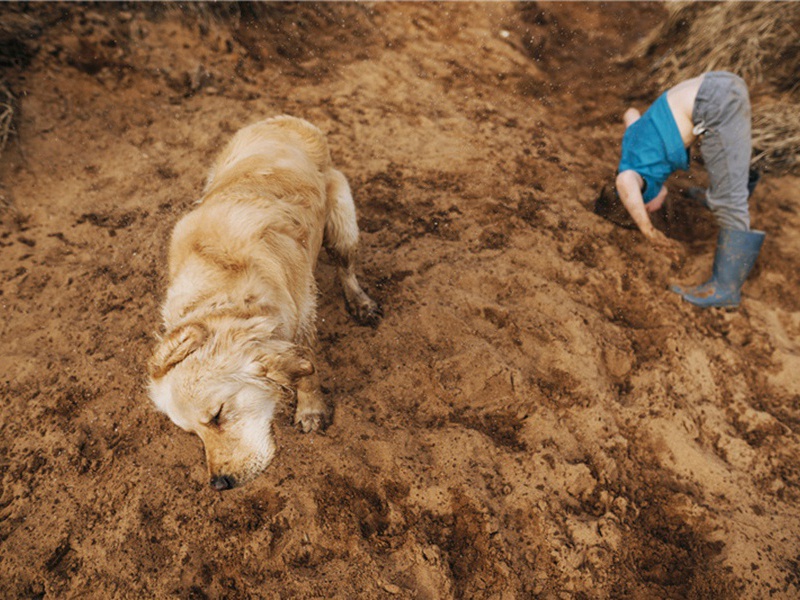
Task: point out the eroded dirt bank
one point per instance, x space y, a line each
535 417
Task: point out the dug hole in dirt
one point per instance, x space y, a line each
537 416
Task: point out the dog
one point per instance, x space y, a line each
240 308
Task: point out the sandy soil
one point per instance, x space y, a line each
536 416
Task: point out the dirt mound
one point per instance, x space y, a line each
536 416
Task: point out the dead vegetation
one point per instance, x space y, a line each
756 40
7 111
17 30
776 136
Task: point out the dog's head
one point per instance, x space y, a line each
222 380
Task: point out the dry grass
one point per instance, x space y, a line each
756 40
7 113
8 207
776 137
18 34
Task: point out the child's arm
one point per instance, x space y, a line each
629 187
658 201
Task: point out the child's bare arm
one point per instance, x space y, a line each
630 117
658 201
629 186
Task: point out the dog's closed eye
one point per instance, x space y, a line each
216 420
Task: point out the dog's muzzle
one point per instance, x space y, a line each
223 482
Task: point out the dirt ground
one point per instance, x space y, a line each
537 416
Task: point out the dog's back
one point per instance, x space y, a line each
277 143
262 217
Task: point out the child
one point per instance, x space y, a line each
715 105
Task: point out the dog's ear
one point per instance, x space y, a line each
179 344
289 365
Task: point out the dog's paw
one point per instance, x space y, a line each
310 420
367 312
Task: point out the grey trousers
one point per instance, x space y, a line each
722 114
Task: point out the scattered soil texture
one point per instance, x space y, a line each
537 416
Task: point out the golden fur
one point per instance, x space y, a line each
239 316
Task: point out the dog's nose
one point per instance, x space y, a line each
223 482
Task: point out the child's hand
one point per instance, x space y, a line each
668 247
658 201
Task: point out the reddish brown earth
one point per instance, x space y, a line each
536 416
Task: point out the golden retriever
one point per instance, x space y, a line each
240 310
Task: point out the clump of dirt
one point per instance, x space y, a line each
536 416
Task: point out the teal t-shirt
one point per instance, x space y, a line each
653 147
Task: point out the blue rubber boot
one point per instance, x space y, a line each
736 254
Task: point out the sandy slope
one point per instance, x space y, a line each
536 416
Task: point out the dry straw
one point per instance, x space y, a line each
760 41
6 116
776 136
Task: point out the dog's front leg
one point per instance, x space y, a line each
312 412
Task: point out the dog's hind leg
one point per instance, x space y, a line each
341 241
